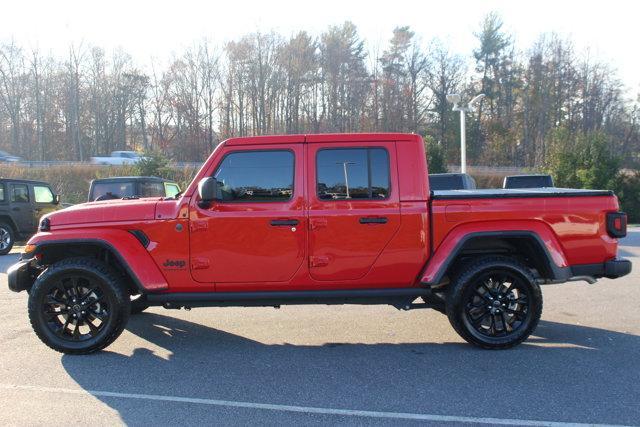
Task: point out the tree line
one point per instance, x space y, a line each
91 102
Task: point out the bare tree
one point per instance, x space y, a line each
12 87
92 101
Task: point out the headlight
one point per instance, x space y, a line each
45 224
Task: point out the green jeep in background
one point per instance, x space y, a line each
22 203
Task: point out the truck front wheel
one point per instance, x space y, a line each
138 304
494 303
78 306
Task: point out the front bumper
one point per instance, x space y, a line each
21 275
612 269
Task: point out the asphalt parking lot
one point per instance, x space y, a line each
334 365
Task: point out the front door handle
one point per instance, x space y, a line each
15 209
284 222
375 220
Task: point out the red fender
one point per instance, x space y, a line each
133 256
453 242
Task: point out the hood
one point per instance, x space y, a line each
106 211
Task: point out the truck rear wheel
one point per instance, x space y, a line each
78 306
494 303
6 238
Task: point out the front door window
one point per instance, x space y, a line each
256 176
42 194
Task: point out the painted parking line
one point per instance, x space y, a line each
297 409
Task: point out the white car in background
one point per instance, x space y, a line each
9 158
118 158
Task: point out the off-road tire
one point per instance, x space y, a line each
462 289
8 229
138 304
102 276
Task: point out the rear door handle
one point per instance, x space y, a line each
284 222
15 209
376 220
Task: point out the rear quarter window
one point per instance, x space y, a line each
151 189
114 190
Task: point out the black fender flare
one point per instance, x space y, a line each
102 244
553 272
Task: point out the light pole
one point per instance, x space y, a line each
346 175
455 98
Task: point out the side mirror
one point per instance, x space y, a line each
56 199
207 190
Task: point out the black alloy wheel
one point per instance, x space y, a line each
78 306
499 304
494 303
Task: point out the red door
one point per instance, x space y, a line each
354 207
257 231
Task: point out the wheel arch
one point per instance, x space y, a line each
9 220
527 245
126 254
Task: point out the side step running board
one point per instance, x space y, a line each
398 296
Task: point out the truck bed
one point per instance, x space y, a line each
576 218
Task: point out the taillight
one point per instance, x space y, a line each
617 224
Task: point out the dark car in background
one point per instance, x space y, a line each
451 181
528 181
131 186
22 203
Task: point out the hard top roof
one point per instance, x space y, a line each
325 137
131 178
25 181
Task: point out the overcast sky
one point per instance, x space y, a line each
609 29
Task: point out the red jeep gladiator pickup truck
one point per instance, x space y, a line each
317 219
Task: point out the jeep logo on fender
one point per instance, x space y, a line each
174 264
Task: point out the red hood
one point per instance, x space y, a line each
106 211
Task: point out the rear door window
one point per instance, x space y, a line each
19 193
2 195
358 173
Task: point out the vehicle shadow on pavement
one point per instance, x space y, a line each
561 373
